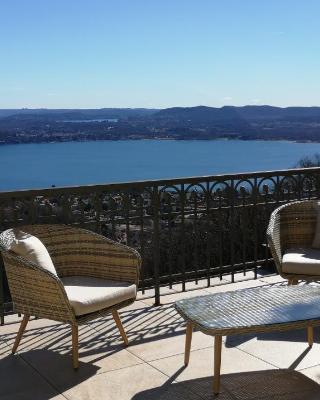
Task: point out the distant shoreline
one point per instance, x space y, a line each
161 139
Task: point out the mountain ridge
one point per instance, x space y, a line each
180 123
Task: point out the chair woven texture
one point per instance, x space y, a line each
74 252
291 226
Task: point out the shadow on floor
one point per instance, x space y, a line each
143 324
19 380
287 336
257 385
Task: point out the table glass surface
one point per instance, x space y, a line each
252 307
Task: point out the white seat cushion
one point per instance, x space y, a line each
301 261
87 295
31 248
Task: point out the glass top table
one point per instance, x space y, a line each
261 309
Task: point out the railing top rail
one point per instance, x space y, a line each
156 182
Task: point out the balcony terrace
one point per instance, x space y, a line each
263 366
196 236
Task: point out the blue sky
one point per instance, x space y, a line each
152 53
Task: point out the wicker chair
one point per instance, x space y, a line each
292 228
75 253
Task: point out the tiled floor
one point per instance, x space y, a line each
254 367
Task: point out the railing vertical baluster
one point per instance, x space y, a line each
182 247
15 212
170 222
196 236
2 227
33 211
266 217
98 210
156 244
255 225
317 185
277 191
140 206
113 210
66 209
299 181
232 200
221 232
127 204
243 227
207 233
2 216
1 292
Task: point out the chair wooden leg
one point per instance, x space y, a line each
217 363
310 335
188 343
22 328
120 326
75 346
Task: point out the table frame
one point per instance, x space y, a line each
218 351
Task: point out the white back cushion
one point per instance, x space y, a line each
31 248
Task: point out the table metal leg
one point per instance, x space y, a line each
188 343
217 363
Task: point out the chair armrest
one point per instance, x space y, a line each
274 238
87 253
36 291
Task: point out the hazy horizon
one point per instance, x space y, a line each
157 108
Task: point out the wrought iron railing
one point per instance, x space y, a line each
185 229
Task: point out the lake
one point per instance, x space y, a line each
26 166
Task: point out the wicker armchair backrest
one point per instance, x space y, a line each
76 251
298 224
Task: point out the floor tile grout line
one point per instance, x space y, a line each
154 368
205 348
311 366
124 348
168 376
258 358
120 368
268 362
135 355
174 354
188 390
191 391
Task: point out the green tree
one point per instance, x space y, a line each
309 161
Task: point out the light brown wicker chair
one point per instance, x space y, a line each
74 252
293 226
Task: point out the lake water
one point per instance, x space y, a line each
79 163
